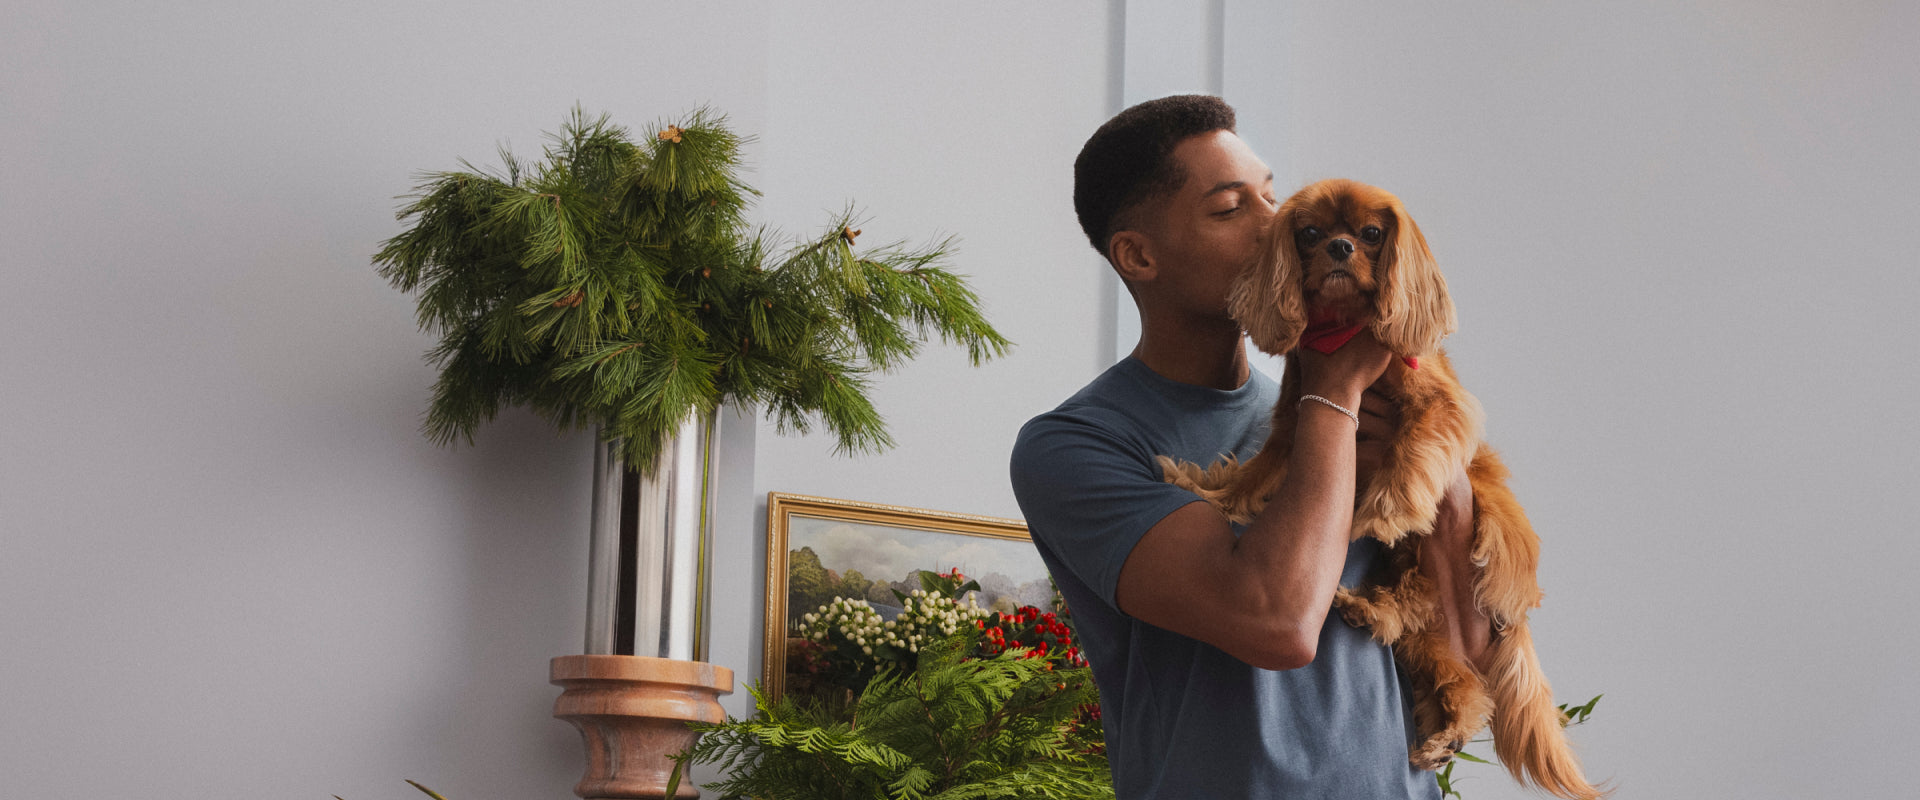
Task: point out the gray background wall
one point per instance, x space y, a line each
229 566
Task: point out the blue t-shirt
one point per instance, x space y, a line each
1184 719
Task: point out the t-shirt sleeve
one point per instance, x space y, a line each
1089 495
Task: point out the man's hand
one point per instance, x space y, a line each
1379 420
1342 375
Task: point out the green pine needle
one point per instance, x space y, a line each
429 792
614 282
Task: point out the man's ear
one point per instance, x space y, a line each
1132 256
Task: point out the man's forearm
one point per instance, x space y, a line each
1447 560
1293 552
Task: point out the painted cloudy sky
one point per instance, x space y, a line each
884 552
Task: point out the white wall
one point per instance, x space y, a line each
970 132
1676 233
229 565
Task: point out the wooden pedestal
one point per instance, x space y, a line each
632 712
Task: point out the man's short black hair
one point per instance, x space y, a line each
1129 160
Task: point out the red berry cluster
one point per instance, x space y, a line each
1043 633
1086 724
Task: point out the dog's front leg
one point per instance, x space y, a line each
1434 441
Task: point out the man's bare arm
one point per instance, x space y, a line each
1448 561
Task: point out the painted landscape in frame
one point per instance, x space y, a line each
820 548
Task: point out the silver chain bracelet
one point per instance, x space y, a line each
1335 406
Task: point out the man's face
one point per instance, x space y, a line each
1210 230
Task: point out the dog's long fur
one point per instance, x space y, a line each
1393 284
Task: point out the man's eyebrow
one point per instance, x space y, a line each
1229 185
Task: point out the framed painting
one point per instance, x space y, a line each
820 548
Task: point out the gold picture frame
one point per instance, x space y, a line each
883 539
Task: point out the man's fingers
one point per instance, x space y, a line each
1374 405
1367 458
1379 416
1377 401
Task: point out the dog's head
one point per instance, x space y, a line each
1349 251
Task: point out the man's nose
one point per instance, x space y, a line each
1340 249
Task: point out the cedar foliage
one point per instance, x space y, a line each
616 282
951 729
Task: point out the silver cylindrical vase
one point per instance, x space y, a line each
671 545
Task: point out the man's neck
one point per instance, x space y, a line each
1202 355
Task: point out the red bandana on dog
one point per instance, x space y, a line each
1325 334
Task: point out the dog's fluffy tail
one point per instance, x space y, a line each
1528 729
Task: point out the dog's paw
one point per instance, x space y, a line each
1238 508
1435 752
1184 474
1356 609
1217 485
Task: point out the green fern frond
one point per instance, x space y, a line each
949 729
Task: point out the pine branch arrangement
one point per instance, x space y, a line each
952 729
616 282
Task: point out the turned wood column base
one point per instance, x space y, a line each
632 712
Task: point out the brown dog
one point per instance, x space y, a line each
1344 253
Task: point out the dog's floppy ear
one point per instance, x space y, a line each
1415 312
1268 300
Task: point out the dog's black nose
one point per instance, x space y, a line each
1339 249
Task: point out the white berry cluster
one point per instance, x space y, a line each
925 617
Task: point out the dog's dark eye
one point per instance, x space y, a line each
1371 234
1308 235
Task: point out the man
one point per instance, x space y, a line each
1222 673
